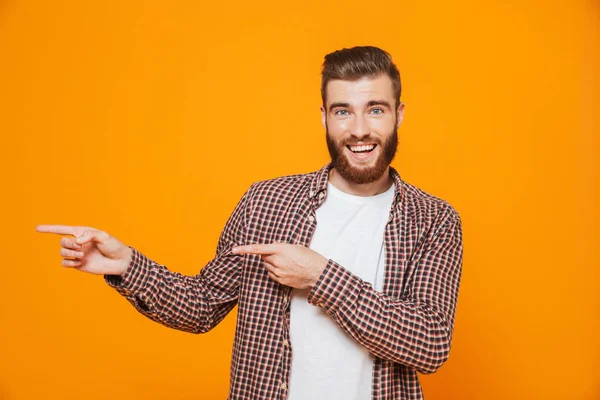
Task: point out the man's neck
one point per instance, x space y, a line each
366 189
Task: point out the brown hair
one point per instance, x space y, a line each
359 62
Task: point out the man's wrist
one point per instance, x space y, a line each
318 271
134 276
127 262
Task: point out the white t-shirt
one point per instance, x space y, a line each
328 364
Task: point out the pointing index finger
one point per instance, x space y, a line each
60 229
254 249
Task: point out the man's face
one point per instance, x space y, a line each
361 122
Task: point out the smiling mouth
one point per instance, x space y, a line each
361 149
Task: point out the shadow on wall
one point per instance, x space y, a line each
3 392
5 7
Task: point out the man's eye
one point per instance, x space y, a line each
377 111
341 112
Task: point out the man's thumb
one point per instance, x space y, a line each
90 235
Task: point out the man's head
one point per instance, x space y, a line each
361 111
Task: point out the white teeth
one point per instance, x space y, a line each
362 148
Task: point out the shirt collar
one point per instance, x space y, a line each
321 177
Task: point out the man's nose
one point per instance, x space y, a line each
359 127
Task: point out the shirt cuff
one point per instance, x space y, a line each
136 276
335 285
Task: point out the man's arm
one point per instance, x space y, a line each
415 330
193 304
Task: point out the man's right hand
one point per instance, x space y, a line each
90 250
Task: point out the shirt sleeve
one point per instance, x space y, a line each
415 330
193 304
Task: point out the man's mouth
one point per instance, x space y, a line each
361 149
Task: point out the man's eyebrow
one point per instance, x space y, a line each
335 105
379 103
369 104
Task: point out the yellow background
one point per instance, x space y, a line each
149 119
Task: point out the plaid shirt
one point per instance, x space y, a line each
407 327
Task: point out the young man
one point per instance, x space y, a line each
346 279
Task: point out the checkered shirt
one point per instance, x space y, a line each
407 326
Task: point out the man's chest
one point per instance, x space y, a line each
389 241
353 236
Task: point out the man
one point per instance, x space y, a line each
346 279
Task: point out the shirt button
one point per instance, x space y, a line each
321 195
311 193
311 218
319 304
285 342
284 386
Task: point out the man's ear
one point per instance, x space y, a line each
400 113
323 117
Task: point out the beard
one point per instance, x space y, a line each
362 175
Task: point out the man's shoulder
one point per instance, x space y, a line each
283 185
423 204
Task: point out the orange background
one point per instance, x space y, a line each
150 119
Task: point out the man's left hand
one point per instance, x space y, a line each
289 264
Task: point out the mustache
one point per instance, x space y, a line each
367 139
